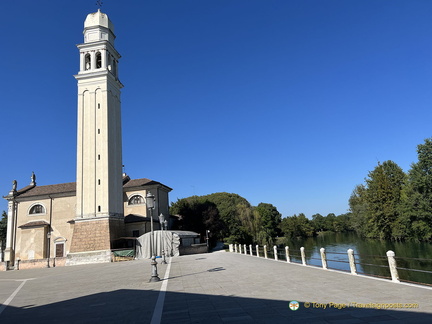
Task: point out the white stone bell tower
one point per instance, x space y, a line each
99 191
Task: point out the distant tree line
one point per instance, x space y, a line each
391 205
229 217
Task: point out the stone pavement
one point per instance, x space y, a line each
219 287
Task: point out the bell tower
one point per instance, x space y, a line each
99 190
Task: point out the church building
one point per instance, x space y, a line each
81 222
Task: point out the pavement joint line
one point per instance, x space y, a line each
157 312
11 297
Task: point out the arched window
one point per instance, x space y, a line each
98 60
136 200
37 209
87 62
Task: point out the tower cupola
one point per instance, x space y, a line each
97 27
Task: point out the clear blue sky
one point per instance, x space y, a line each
280 101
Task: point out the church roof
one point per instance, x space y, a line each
47 190
142 182
132 218
69 189
34 224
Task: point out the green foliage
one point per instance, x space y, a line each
198 215
417 209
297 226
3 227
237 221
395 205
383 196
269 218
358 208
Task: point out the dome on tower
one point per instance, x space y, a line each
97 27
98 19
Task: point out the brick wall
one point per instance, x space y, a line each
91 235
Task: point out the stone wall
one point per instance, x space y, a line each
193 249
88 257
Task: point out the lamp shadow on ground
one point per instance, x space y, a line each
136 306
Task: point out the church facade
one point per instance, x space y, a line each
81 222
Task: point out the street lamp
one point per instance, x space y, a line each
161 222
207 239
150 202
48 248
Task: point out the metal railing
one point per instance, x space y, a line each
387 262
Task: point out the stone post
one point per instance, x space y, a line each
231 248
275 252
235 248
352 261
287 254
240 251
257 250
303 256
323 258
250 249
392 266
265 251
245 249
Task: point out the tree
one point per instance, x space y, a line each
358 208
270 219
297 226
416 218
384 197
318 222
3 227
198 215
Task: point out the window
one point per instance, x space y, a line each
87 62
37 209
59 250
98 60
135 233
136 200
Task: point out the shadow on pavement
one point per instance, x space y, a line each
136 306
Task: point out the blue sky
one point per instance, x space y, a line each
280 101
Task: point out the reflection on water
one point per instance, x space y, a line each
370 254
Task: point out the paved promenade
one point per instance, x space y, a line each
219 287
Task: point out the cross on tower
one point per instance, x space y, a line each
99 3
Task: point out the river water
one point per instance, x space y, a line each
370 255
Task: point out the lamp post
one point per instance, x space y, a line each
150 202
161 222
48 248
207 239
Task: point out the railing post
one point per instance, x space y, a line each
245 249
265 251
275 252
392 266
323 258
250 249
287 254
352 261
257 249
303 257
